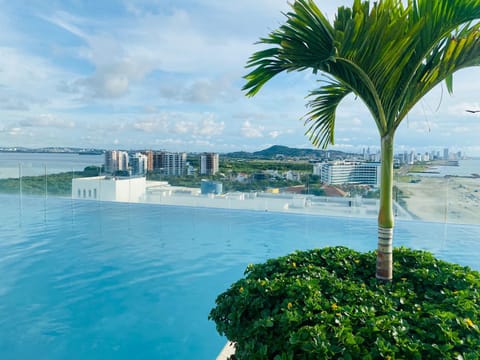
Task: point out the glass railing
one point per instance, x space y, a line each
160 268
445 199
448 199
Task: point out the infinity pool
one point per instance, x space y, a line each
91 280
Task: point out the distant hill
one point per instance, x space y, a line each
277 151
240 155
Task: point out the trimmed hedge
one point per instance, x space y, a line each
326 304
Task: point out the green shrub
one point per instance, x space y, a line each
326 304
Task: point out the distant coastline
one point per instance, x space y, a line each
53 150
273 152
467 168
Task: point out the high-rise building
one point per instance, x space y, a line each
116 160
149 155
343 172
445 154
138 164
209 163
169 163
411 158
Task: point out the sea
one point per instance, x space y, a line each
466 167
12 164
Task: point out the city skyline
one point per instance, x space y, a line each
152 74
371 151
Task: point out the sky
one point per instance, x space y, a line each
167 74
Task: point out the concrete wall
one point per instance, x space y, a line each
109 189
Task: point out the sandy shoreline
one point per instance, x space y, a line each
444 199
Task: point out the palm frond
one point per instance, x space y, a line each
454 52
390 54
321 118
305 41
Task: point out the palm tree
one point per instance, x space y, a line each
388 54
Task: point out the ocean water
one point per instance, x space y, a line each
464 168
34 164
92 280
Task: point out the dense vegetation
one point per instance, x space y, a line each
237 166
230 168
324 304
275 151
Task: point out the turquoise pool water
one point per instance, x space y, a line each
90 280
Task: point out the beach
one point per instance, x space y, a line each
443 199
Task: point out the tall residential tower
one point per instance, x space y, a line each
209 163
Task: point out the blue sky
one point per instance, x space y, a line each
164 74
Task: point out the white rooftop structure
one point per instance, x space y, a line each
109 188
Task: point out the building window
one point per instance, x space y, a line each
89 193
84 193
79 193
94 193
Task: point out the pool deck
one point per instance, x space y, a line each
286 203
227 351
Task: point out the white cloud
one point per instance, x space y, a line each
173 70
15 131
461 129
170 141
182 127
108 85
66 21
274 134
31 83
13 103
209 127
356 122
201 91
21 73
112 80
47 120
181 124
151 125
250 131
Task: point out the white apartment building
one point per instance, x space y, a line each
116 160
108 188
138 164
345 172
293 176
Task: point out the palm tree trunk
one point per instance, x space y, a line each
385 215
